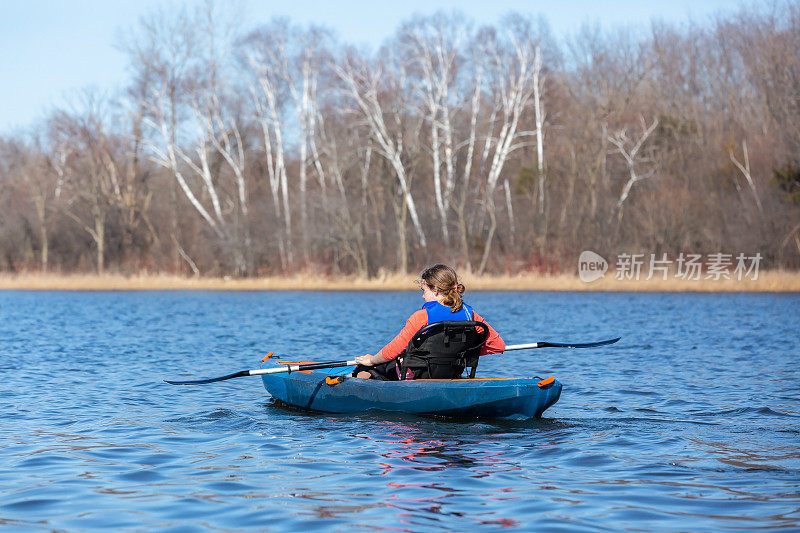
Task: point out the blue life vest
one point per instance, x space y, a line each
441 313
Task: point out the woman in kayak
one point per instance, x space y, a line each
442 294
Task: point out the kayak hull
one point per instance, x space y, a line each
462 398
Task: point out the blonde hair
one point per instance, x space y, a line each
444 279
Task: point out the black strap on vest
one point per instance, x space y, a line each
444 349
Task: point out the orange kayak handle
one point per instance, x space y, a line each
546 382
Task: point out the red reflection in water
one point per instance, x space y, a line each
406 447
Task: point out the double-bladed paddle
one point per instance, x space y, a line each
560 345
336 364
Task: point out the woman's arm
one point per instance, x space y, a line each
396 346
494 344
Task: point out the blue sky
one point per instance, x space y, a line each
50 49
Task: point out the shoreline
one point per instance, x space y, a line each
777 281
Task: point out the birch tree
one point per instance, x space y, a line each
473 93
189 131
432 48
367 85
265 55
346 156
310 58
629 147
514 69
289 59
162 52
744 168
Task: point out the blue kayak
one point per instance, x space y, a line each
332 390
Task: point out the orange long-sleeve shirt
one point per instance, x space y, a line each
494 344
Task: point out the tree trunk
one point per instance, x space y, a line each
403 239
304 195
100 239
40 214
488 245
462 224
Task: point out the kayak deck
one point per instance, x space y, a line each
463 398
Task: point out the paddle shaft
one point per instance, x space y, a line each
259 371
297 368
510 347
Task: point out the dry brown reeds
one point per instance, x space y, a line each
768 281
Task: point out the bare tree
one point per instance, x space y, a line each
290 59
199 118
265 54
365 85
90 161
745 170
25 164
629 148
162 51
514 70
431 48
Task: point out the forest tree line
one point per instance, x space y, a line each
241 151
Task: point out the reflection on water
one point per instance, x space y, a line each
670 430
422 452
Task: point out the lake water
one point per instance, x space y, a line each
690 422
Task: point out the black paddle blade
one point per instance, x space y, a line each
584 345
210 380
